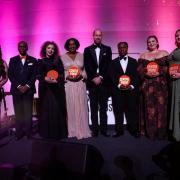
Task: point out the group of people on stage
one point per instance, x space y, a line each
143 90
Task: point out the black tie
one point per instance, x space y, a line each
97 46
124 58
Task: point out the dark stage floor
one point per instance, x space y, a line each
115 152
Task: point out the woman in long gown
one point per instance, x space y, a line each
75 87
52 108
154 90
174 58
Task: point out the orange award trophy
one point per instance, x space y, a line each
125 81
52 74
152 68
73 71
173 68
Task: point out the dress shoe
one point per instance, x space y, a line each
94 134
105 134
118 134
29 136
134 134
19 136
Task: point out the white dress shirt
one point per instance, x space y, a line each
97 50
124 63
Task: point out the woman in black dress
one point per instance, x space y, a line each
52 107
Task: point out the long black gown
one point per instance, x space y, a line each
52 106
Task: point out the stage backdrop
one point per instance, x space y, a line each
36 21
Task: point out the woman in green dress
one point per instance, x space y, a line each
174 58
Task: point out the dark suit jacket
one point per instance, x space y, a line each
115 71
90 63
20 74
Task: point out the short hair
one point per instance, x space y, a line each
24 42
66 45
125 43
97 29
155 37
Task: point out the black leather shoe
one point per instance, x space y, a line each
94 134
105 134
134 134
29 136
19 136
118 134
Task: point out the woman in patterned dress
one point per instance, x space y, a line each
154 91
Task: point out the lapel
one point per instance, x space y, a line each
128 65
93 52
102 51
119 67
26 61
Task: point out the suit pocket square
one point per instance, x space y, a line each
30 64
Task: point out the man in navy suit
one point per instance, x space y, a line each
124 95
97 58
22 74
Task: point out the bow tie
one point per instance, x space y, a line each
124 58
23 57
97 46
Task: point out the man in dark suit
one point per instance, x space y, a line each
22 74
124 95
97 58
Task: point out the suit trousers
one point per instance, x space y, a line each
98 97
23 113
125 102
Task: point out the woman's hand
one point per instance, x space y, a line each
175 75
76 78
50 80
154 74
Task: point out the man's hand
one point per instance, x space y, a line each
97 80
23 89
122 87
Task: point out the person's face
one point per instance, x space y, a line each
152 44
177 37
22 48
97 36
72 46
122 49
50 50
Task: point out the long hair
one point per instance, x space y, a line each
2 68
56 50
178 45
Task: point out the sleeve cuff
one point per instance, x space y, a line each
119 85
28 85
132 86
